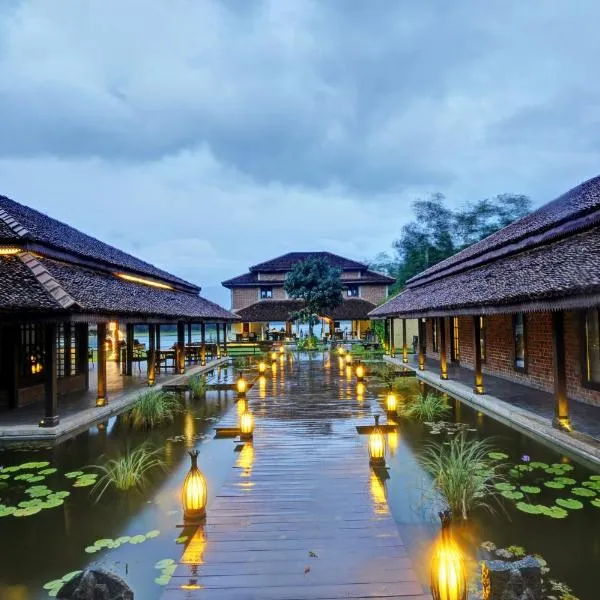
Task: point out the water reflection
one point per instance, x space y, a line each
193 557
378 495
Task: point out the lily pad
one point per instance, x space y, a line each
563 466
27 512
52 584
532 509
66 578
123 539
555 485
596 502
566 480
182 539
7 510
50 471
592 477
103 543
531 489
593 485
4 476
570 503
162 580
137 539
84 483
92 549
504 486
512 495
161 564
73 474
497 455
24 477
538 465
152 534
585 492
556 512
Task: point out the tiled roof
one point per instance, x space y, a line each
287 261
353 309
45 283
41 229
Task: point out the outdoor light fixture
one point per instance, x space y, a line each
391 404
194 493
273 356
8 250
246 426
262 367
144 281
448 577
241 385
360 372
341 351
376 446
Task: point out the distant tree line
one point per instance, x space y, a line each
438 232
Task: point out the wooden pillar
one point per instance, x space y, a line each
129 337
225 339
422 344
180 348
83 361
151 355
50 377
441 323
386 335
101 397
203 343
404 346
478 387
392 338
218 326
561 403
157 336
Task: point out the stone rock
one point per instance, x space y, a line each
518 580
95 584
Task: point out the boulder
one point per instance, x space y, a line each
95 584
516 580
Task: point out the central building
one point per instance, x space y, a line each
258 297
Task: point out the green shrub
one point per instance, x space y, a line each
425 407
307 343
197 385
386 373
154 407
407 387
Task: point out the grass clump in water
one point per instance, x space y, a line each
128 471
154 407
463 473
197 384
425 407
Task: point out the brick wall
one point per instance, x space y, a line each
373 293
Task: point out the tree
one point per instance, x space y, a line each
316 283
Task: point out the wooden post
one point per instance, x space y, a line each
218 326
386 335
82 342
101 397
479 387
180 348
50 377
129 335
404 346
422 345
224 339
157 343
561 403
392 338
441 322
189 331
203 343
151 355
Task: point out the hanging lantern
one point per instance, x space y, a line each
262 367
376 446
448 575
391 404
360 372
241 385
194 493
246 426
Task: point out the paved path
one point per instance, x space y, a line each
301 516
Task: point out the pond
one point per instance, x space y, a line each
132 533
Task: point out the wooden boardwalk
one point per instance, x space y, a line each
302 516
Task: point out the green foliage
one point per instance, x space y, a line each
407 387
425 407
128 471
197 385
154 407
386 373
378 328
316 283
463 473
309 342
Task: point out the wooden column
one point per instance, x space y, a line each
561 403
441 323
203 343
404 346
129 337
83 361
157 336
67 349
392 338
225 339
386 335
218 326
50 377
422 344
478 387
180 353
101 369
151 355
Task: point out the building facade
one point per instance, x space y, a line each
258 297
522 304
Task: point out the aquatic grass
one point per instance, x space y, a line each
154 407
197 385
386 373
463 473
407 387
425 407
128 471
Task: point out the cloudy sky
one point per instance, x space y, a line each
205 135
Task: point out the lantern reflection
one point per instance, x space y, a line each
193 557
190 429
262 367
273 356
448 575
360 372
242 406
360 390
194 493
281 350
392 441
246 459
378 495
241 385
262 386
376 445
348 359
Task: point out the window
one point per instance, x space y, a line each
592 348
352 291
519 332
482 339
32 351
434 335
455 347
66 356
266 292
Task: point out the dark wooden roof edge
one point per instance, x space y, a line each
579 302
351 264
550 234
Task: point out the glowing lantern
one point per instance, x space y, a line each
341 351
391 404
262 367
376 446
241 385
246 426
273 356
360 372
194 493
448 578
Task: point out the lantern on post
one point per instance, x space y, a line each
448 576
376 446
360 372
246 426
241 385
391 404
194 493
